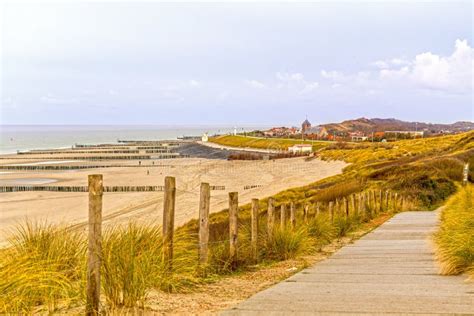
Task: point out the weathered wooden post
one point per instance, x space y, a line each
386 200
254 232
353 204
270 218
283 216
374 199
346 206
395 202
336 207
367 203
168 222
331 211
381 201
233 225
204 203
305 213
292 215
360 207
318 208
94 248
465 174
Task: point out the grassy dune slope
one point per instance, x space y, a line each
265 143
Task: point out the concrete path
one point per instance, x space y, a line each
389 271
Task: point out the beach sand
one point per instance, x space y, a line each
72 208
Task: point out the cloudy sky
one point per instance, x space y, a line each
235 63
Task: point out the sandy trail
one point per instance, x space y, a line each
71 208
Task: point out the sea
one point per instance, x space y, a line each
15 138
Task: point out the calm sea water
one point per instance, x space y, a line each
26 137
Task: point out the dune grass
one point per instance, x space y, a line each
43 270
455 238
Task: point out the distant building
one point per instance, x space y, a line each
280 131
204 137
306 125
358 136
301 148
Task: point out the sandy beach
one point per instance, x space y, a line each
272 176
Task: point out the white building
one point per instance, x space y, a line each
204 137
301 148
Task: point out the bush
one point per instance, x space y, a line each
455 238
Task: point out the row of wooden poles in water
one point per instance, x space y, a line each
360 204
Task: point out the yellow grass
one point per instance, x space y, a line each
455 239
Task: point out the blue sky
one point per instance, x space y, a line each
235 63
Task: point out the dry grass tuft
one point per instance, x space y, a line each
455 239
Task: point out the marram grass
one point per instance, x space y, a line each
455 238
42 270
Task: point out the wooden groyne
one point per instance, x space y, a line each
32 188
59 151
252 186
137 157
62 167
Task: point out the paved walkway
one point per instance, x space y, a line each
390 270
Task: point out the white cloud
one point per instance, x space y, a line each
333 75
295 81
194 83
255 84
430 71
386 64
288 77
399 61
380 64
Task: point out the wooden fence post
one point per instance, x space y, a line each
346 206
318 208
386 200
336 207
360 204
353 204
331 211
168 222
381 201
254 232
282 216
94 248
374 199
305 212
465 176
292 215
270 218
395 202
204 203
233 225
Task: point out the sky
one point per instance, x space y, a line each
239 63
